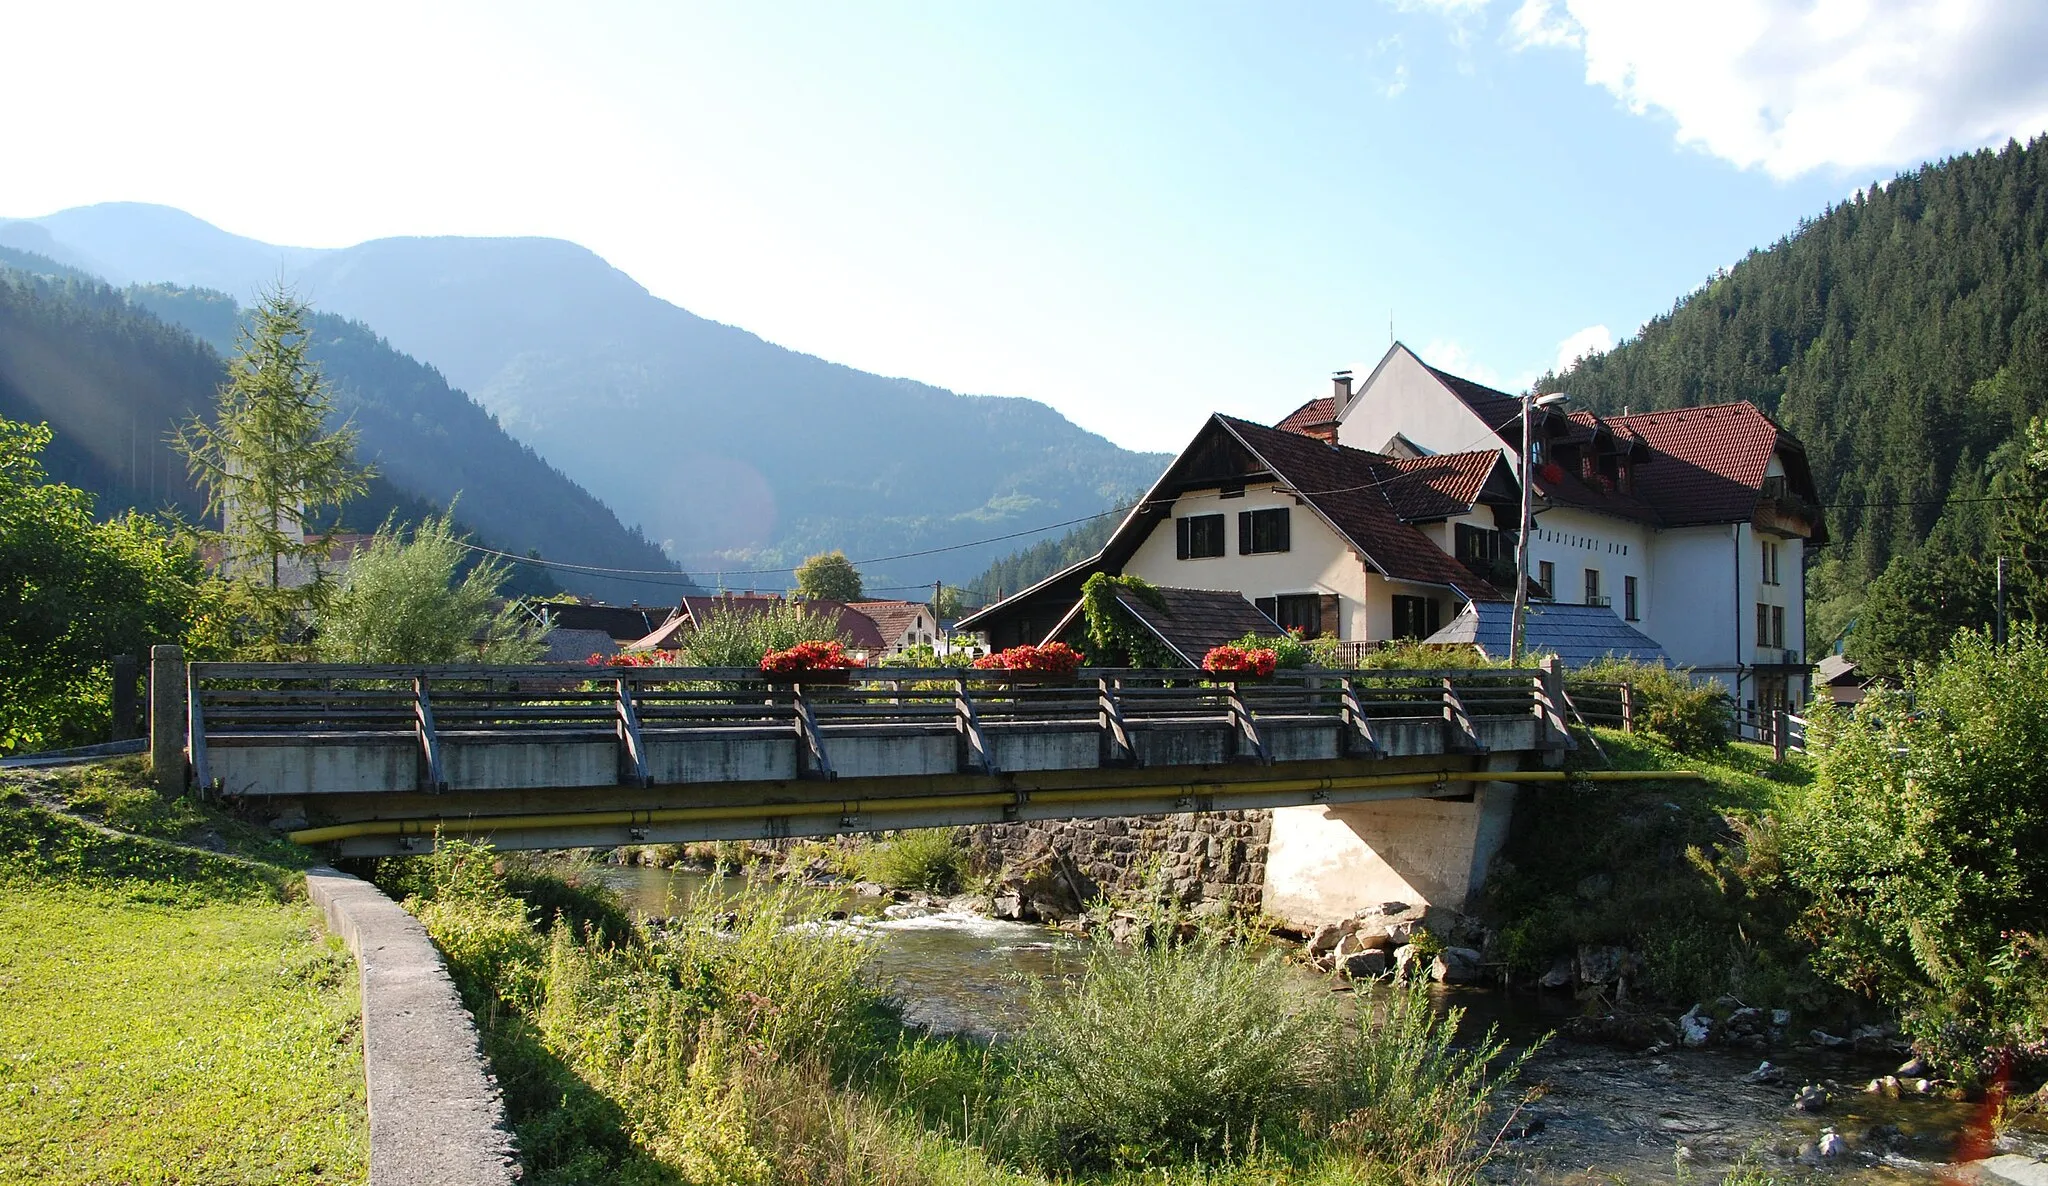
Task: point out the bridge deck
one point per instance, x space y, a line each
453 744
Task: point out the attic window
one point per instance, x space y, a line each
1263 531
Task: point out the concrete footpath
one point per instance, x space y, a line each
436 1118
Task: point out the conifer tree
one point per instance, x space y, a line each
268 464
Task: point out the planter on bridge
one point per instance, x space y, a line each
809 663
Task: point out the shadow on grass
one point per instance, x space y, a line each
569 1133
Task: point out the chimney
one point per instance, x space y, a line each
1340 393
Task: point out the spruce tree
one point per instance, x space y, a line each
268 465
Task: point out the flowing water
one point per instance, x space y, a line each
1604 1115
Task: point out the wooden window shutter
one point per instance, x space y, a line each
1244 533
1286 540
1326 615
1269 606
1180 539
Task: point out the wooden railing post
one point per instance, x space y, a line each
633 749
1779 739
1109 717
1628 708
433 776
167 720
975 756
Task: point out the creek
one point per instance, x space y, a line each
1605 1114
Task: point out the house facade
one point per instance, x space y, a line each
1387 509
902 624
1692 524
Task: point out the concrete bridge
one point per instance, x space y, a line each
1387 784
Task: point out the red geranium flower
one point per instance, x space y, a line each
808 656
1053 658
1236 660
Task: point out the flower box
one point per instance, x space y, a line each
1235 663
1052 663
810 663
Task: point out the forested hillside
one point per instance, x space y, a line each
113 380
1028 566
1902 335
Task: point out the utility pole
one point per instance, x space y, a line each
1516 631
1998 636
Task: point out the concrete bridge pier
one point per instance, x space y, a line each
1325 863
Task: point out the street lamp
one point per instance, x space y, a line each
1530 401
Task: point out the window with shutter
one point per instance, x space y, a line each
1331 624
1263 531
1300 611
1198 537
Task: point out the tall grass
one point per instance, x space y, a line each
1167 1054
738 1045
1412 1099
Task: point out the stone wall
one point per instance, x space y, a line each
1214 856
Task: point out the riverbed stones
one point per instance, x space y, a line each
1913 1068
1326 938
1558 975
1810 1098
1601 965
1368 964
1696 1027
1458 965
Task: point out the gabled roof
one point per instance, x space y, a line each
1313 415
1195 620
1710 460
893 619
1497 409
1577 634
565 644
621 623
1440 485
1361 496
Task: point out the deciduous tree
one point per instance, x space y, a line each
829 576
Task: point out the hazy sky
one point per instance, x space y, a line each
1137 213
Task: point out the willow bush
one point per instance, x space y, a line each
1924 845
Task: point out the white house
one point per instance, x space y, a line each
1692 524
1383 512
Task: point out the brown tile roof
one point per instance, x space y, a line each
1196 619
1312 418
893 619
1497 408
1440 485
1710 461
1351 488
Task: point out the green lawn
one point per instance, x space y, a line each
166 1015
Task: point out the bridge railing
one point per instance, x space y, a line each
257 704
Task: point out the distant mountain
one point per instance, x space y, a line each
113 372
736 453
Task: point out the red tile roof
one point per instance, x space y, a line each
1452 482
1710 461
893 619
1314 418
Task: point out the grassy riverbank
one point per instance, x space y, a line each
168 1013
1685 874
732 1047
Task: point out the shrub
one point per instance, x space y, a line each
929 859
1053 658
1290 649
1691 716
1416 655
729 638
1232 659
1924 843
1410 1097
1165 1054
807 656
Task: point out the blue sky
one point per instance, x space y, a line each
1138 213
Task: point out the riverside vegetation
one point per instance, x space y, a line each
739 1043
168 1013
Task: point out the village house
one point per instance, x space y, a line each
1390 511
862 636
902 624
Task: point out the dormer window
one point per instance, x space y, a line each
1586 467
1535 452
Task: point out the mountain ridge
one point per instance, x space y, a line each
734 452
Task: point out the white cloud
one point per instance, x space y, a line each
1594 339
1447 355
1794 85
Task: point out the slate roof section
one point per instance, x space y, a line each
565 645
622 624
1195 620
1316 418
1356 491
1577 634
